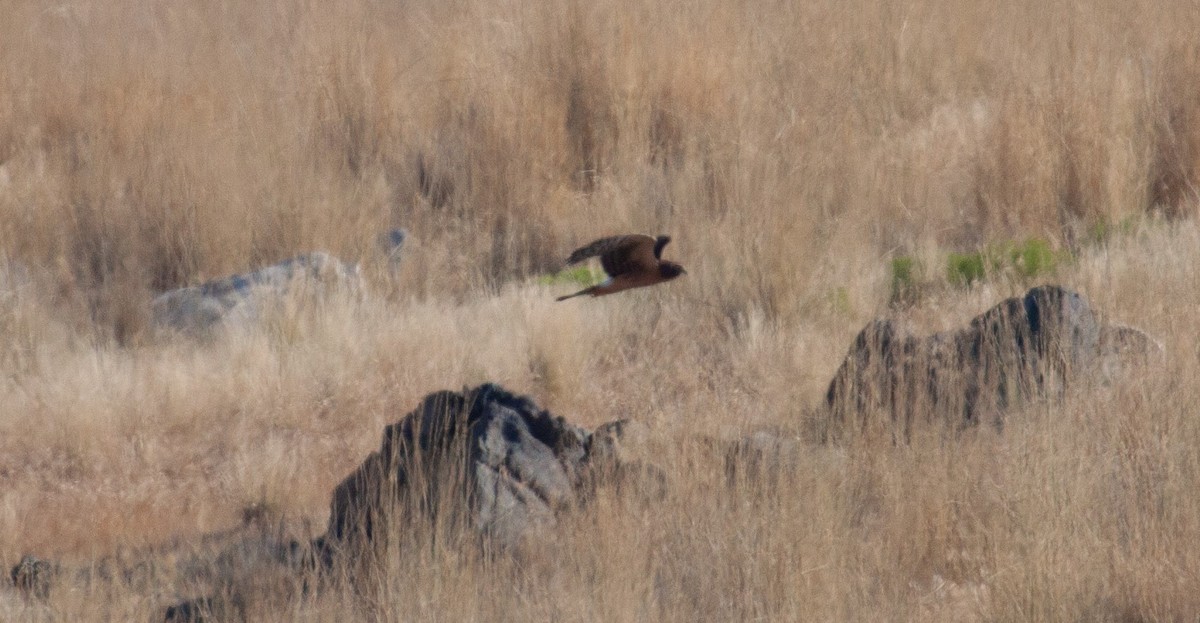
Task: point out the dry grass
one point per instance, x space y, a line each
790 149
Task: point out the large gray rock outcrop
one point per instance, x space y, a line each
485 459
1028 347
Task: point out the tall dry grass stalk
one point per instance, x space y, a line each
789 149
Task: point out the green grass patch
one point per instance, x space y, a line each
580 276
1033 258
839 300
906 274
964 269
1104 229
1028 259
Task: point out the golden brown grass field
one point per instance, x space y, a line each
792 149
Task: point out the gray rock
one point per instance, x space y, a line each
392 244
1030 347
32 577
619 456
246 298
484 459
235 572
1123 347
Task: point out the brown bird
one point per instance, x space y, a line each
631 261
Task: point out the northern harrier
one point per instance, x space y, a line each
631 261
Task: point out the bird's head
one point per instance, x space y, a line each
670 270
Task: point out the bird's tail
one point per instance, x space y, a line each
571 296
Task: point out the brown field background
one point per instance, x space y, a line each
791 150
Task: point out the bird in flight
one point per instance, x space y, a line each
631 261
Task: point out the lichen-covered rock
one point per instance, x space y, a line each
1028 347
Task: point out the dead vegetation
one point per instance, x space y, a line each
790 150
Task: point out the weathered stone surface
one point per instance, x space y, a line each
491 459
248 297
1023 348
1123 347
32 577
619 456
239 575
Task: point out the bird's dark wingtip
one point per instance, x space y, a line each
659 243
577 256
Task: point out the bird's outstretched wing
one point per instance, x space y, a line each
621 255
659 243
